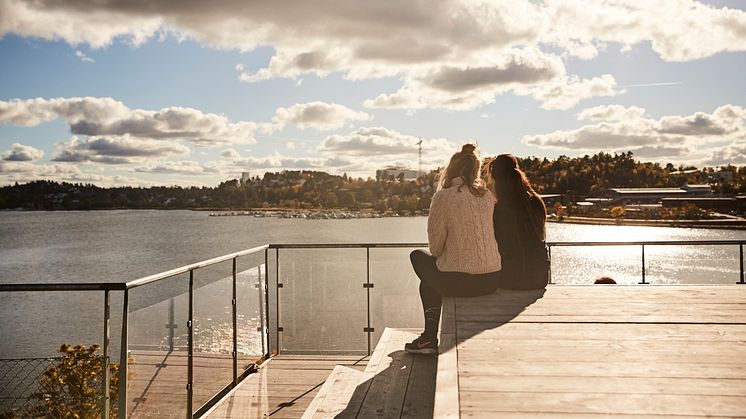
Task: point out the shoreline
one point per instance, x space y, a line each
732 224
316 214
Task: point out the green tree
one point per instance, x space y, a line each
73 387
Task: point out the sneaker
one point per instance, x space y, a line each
422 345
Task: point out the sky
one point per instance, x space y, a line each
190 92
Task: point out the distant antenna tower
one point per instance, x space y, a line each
419 171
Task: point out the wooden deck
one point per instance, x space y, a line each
569 351
283 388
576 351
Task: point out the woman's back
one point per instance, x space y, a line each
460 231
520 237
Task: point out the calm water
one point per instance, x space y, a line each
322 301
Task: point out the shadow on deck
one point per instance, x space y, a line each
571 351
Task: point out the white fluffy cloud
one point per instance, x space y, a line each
611 113
92 116
379 141
678 30
16 171
441 45
318 115
116 150
20 152
720 134
183 167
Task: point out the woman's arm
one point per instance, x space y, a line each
436 225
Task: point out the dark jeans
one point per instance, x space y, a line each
435 284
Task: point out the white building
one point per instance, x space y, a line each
396 172
245 178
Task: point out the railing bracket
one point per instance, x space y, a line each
279 285
280 329
369 329
368 285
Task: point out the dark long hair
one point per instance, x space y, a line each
513 191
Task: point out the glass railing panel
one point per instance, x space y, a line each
395 300
250 309
44 331
158 355
692 264
582 265
322 302
213 330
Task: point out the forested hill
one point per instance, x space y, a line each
576 177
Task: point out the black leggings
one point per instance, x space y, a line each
436 284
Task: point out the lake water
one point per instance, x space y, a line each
322 302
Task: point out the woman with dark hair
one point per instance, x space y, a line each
463 259
519 221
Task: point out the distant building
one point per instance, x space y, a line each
396 172
624 196
725 205
698 190
721 176
245 178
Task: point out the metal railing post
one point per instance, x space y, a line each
171 325
190 343
124 357
106 360
235 327
262 289
266 300
368 286
740 260
549 254
277 298
643 265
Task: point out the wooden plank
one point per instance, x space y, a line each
620 331
387 390
604 384
420 398
359 395
630 404
446 402
507 368
334 395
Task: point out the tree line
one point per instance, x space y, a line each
572 177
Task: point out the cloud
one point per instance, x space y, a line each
20 152
107 117
678 30
685 137
611 113
318 115
82 57
734 154
564 93
230 153
15 171
116 150
381 141
444 45
183 167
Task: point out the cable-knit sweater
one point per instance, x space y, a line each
460 231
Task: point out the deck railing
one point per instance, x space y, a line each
271 302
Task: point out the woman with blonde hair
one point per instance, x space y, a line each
520 226
463 260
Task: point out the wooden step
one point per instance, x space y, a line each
334 395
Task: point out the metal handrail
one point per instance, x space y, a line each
187 268
127 286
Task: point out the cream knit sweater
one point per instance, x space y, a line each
460 233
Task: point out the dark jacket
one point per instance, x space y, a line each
525 258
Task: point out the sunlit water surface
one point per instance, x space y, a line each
323 305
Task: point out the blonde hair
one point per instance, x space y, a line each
466 166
